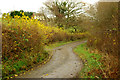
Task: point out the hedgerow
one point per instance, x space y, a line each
23 40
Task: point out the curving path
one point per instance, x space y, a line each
64 64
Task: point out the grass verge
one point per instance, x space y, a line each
92 65
57 44
43 61
21 67
60 43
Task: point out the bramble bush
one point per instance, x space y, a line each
23 41
107 44
21 46
104 37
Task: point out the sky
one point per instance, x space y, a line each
26 5
29 5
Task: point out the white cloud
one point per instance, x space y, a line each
90 1
26 5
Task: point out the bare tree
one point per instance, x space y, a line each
65 12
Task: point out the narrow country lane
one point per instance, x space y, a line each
64 64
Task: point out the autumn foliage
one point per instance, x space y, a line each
104 37
23 41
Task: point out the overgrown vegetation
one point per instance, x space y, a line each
14 13
24 40
92 65
65 14
104 36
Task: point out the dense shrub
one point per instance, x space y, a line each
104 36
23 42
14 13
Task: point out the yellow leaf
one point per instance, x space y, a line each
16 75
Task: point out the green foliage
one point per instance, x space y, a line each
29 14
0 20
91 62
57 44
14 13
23 42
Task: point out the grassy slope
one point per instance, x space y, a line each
91 62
